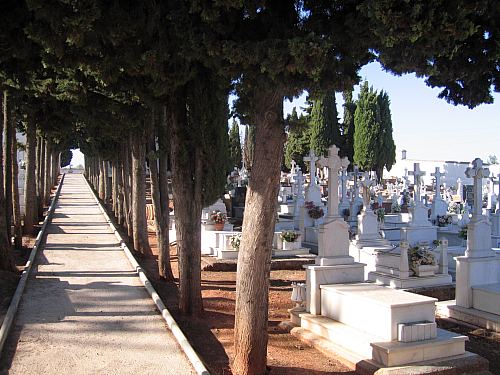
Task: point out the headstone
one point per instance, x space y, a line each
313 192
460 191
478 272
439 206
419 213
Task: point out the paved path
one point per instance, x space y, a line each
84 310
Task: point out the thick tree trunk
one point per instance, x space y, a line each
159 195
186 181
48 170
39 174
30 198
107 183
16 208
55 167
254 260
102 180
7 157
6 261
41 181
139 221
127 189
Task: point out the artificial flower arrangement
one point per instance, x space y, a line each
314 212
218 217
444 220
395 207
455 208
420 256
235 241
289 236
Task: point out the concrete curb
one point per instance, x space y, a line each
14 303
169 319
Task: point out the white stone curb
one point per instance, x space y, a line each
14 303
172 324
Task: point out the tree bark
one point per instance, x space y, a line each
114 189
30 198
7 157
186 182
127 190
102 180
254 259
139 221
159 195
6 260
120 217
107 183
16 209
41 181
47 175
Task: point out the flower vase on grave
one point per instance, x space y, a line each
219 226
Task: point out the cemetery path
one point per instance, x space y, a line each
85 310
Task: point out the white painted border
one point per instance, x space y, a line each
14 303
172 324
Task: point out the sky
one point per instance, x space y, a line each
425 126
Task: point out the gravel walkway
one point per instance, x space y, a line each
84 310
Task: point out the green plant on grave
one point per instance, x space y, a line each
395 207
380 214
289 236
462 233
235 241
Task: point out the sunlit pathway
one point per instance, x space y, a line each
84 310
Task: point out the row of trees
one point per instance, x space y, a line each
364 136
132 81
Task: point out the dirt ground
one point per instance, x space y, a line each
212 334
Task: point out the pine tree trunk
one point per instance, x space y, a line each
16 209
41 181
7 157
47 176
30 199
38 170
120 217
114 190
186 181
102 180
127 189
6 261
139 222
254 260
107 183
55 167
159 195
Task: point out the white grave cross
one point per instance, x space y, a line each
334 164
367 183
312 158
437 175
416 173
477 172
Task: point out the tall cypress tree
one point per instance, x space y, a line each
387 148
234 145
297 143
325 128
367 129
248 146
348 127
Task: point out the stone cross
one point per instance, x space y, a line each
356 174
343 181
367 183
437 175
334 164
312 158
477 172
416 173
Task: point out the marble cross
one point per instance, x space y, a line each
437 175
343 181
477 172
367 183
312 158
416 173
334 164
356 174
